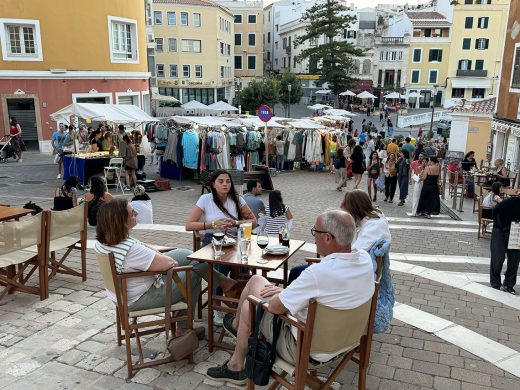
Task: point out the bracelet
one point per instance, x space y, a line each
213 224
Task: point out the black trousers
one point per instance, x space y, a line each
499 240
390 186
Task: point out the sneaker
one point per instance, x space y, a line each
385 200
227 324
127 188
510 290
224 374
497 287
218 318
401 203
59 176
20 160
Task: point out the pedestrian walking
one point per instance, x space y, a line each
374 170
16 138
358 165
429 202
390 171
416 167
341 169
403 176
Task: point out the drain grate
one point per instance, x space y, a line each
184 188
32 182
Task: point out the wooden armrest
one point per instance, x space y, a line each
312 260
186 268
253 301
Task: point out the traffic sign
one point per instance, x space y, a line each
265 113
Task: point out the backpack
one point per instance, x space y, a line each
93 207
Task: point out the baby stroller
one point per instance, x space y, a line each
6 149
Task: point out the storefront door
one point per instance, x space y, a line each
24 112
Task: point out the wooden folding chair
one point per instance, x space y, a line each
200 304
127 321
18 260
483 222
67 230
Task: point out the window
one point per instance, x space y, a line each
222 48
276 45
464 65
228 51
469 22
483 2
251 38
435 55
478 93
159 45
123 40
238 19
313 41
268 37
276 27
417 54
160 70
251 62
157 17
184 18
172 45
238 62
238 39
349 34
479 65
172 19
483 22
432 78
198 71
481 43
268 56
458 93
468 1
515 78
196 20
191 46
20 40
466 44
186 71
251 19
173 71
415 76
222 72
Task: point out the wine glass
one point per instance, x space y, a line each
262 241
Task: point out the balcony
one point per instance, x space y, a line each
392 40
472 73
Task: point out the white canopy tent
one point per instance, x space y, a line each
395 95
347 93
223 106
118 113
366 95
305 124
163 98
318 106
414 95
253 121
338 112
323 92
197 108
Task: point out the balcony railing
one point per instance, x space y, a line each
472 73
392 40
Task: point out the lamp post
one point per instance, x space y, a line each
289 88
433 108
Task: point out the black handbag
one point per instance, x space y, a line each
261 354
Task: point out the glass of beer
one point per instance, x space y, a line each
248 228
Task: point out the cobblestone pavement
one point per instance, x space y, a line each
450 329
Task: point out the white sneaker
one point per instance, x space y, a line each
59 176
218 318
20 160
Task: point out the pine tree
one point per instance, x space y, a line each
331 60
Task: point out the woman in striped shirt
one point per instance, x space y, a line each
276 215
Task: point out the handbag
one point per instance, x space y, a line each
514 236
261 354
184 345
380 183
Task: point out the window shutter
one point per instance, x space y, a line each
460 65
469 64
439 57
487 43
466 44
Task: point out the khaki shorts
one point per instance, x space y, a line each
286 345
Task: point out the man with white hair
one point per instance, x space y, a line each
344 279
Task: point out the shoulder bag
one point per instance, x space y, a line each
184 345
260 353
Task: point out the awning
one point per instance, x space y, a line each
118 113
471 82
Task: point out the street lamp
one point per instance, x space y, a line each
433 108
289 88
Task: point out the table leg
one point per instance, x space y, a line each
285 273
210 307
10 271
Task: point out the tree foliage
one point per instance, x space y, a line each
334 57
286 79
259 92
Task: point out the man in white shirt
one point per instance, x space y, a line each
344 279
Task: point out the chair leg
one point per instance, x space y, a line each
362 378
118 328
199 307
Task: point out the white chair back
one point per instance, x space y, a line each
116 162
66 222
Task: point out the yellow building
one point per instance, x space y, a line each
194 50
56 52
476 48
428 56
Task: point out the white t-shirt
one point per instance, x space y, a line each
211 212
144 211
340 281
370 231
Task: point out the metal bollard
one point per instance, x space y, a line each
461 203
455 190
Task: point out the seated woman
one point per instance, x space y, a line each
223 210
277 214
502 173
107 142
115 221
66 196
96 197
142 204
492 200
95 141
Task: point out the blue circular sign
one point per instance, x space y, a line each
265 113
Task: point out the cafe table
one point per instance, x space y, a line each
7 213
229 257
513 192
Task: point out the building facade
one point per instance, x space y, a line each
506 124
194 50
51 58
428 56
475 57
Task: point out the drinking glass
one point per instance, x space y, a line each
243 248
262 241
217 247
248 228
